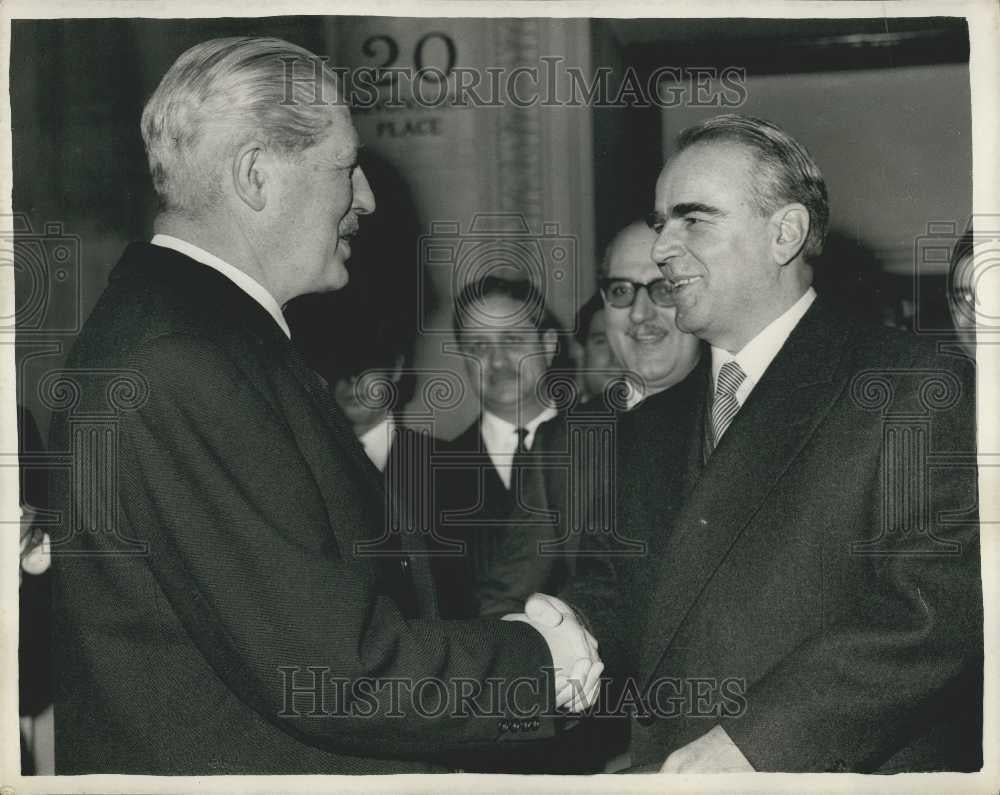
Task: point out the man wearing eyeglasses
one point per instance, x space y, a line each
641 317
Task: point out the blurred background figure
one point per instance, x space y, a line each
34 686
962 283
509 340
597 365
369 393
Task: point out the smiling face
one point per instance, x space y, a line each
319 196
645 337
716 247
505 358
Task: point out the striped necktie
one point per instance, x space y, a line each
725 405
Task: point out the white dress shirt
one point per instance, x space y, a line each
246 283
757 355
500 438
377 441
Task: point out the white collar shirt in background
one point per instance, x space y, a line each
500 438
377 441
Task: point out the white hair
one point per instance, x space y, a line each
215 95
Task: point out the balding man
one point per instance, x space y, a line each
252 636
641 317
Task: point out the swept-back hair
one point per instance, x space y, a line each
214 96
784 170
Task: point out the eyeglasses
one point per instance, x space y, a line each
621 293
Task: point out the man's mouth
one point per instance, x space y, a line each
346 238
684 281
648 336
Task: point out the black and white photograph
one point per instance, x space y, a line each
585 393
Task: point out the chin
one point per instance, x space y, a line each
339 275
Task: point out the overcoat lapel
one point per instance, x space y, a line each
341 429
770 430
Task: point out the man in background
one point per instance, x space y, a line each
508 339
641 317
642 334
598 366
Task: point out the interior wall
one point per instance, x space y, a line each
893 144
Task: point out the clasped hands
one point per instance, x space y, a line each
577 665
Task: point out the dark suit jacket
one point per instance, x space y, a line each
472 506
572 485
231 471
815 588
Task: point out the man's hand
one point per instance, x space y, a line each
713 752
577 665
35 551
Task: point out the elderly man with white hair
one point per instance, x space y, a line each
252 635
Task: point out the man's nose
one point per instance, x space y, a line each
498 357
667 243
642 307
364 197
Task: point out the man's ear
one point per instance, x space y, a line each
790 227
550 344
250 175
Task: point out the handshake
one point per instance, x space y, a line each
574 651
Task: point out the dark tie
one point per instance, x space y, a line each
724 404
517 466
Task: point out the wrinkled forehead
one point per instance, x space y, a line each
704 168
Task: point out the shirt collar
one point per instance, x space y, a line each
500 439
500 436
244 281
378 440
757 355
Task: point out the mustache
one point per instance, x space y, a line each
647 328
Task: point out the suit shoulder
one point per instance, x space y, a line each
466 442
872 345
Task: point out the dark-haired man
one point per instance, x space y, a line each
508 339
811 600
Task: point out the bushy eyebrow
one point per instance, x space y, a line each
686 208
655 219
